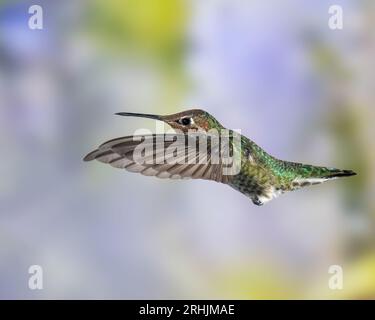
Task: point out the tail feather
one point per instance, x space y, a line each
310 175
337 173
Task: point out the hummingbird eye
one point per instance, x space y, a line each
185 121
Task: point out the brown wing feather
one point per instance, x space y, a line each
119 154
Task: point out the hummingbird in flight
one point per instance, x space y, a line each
261 177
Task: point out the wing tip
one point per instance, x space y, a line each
90 156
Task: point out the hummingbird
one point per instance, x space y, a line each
261 176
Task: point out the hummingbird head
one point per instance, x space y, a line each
193 120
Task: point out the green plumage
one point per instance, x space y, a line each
263 177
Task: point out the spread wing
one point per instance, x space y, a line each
165 156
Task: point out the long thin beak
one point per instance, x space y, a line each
140 115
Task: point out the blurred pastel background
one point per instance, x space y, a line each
273 69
